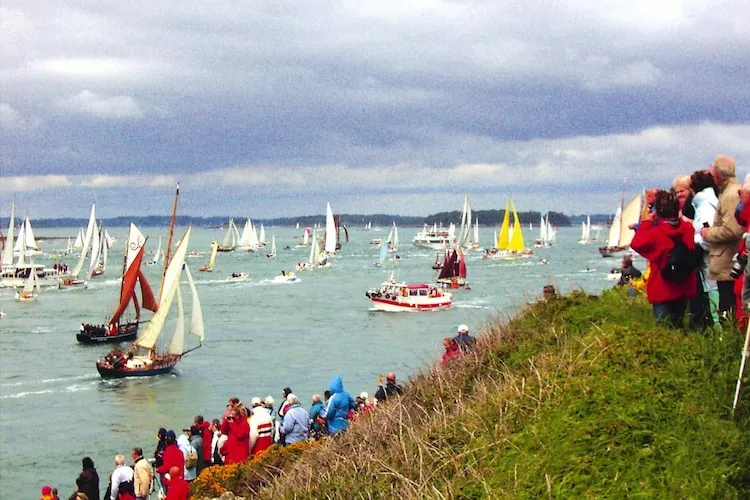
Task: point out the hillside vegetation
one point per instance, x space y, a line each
577 397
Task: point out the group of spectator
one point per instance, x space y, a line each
691 237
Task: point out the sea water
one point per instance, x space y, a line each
261 336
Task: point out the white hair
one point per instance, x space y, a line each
292 399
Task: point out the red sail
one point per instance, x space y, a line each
147 296
129 280
461 264
448 270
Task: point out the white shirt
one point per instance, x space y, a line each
121 474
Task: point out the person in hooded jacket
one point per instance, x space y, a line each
336 412
177 487
88 479
654 239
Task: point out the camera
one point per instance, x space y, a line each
739 261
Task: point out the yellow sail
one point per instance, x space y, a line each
502 239
516 241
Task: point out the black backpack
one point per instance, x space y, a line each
681 261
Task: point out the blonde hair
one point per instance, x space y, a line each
681 181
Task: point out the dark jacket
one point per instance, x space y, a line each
628 273
88 483
385 392
653 240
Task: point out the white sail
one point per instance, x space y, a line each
314 249
230 239
135 241
95 250
613 236
105 251
464 235
476 232
631 214
262 239
244 242
395 237
178 337
273 245
8 252
330 230
79 240
212 258
306 237
90 229
150 334
196 317
254 240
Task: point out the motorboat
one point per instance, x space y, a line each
393 297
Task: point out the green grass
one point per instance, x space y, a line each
577 397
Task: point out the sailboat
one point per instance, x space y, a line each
30 290
620 235
114 330
151 362
211 259
305 239
248 241
453 272
262 238
229 242
157 255
510 244
393 239
100 264
546 233
75 279
475 236
272 254
383 254
464 236
585 231
330 243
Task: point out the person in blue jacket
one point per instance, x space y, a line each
336 412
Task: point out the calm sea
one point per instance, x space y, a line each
260 337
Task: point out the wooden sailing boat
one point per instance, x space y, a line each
229 242
151 362
620 235
453 272
114 330
211 259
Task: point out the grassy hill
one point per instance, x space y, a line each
576 397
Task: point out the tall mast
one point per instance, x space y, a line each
169 240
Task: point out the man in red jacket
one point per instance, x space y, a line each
654 239
173 456
237 446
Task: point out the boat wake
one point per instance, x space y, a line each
81 383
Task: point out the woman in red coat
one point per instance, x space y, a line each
237 446
654 239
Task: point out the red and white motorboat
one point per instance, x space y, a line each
393 297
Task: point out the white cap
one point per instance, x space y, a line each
363 395
256 401
463 329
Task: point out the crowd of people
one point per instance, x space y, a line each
242 431
693 238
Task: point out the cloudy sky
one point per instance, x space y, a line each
268 109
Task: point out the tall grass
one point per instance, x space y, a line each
576 397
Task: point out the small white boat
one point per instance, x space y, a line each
30 290
286 277
614 275
393 297
238 277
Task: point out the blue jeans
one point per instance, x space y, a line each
671 312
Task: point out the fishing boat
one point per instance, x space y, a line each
144 359
510 244
116 330
272 253
229 242
30 290
620 234
211 259
395 297
453 272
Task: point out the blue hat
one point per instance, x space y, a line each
170 433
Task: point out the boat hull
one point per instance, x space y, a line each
398 305
94 335
612 251
160 366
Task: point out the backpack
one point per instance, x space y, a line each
681 261
191 460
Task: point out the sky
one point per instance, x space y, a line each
270 109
